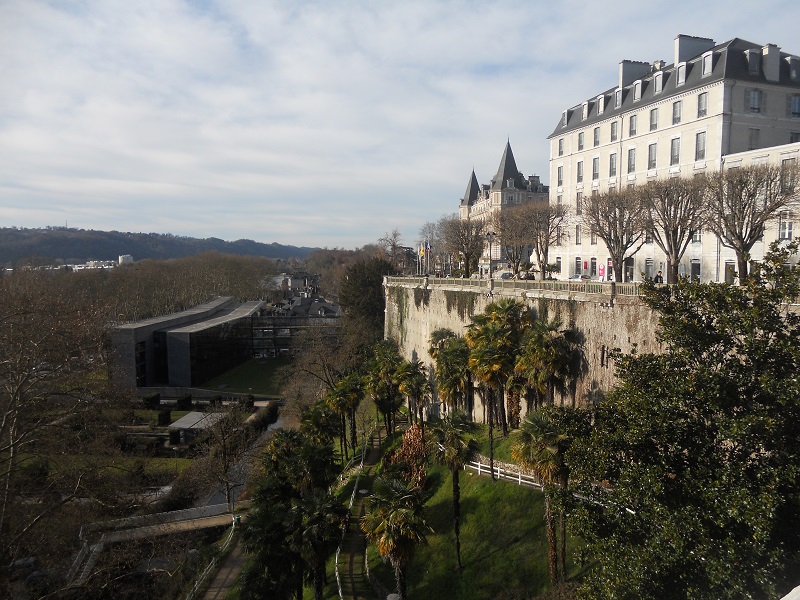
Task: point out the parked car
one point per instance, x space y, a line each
578 277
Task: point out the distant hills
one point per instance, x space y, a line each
54 244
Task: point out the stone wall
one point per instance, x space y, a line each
606 319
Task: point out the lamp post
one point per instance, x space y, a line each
490 236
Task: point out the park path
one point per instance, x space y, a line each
225 577
355 585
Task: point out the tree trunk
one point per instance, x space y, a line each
741 258
491 433
400 578
551 539
562 524
457 516
672 272
501 404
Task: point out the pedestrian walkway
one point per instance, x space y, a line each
225 577
355 585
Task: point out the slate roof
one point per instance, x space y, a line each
508 170
730 62
473 190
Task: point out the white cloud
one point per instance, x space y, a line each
310 123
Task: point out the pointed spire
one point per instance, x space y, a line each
507 170
473 189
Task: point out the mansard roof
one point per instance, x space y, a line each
508 170
473 190
729 63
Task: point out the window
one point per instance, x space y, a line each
559 200
755 100
788 175
580 171
697 236
753 62
579 203
632 125
596 137
558 264
794 137
675 151
593 237
794 68
631 160
595 168
708 63
561 147
585 111
560 176
617 98
676 112
613 131
580 141
681 74
651 157
700 146
593 268
658 83
578 264
577 235
559 236
654 119
753 139
637 91
786 229
648 238
612 165
702 105
794 105
600 103
564 118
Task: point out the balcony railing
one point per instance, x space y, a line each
600 288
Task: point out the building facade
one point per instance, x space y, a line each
716 105
508 188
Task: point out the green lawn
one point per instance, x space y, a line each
503 543
257 376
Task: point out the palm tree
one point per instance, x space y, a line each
451 371
319 517
548 359
383 383
540 447
414 384
395 522
450 446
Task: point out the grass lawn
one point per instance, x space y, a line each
503 543
502 446
257 376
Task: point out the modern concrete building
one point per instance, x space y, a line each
715 105
508 188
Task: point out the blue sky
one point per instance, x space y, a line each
322 123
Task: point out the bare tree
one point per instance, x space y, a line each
740 201
617 218
513 228
546 223
673 212
393 248
464 239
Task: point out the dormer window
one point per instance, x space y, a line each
618 98
681 74
794 68
601 101
658 83
564 118
753 62
708 63
585 114
637 91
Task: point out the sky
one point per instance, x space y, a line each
309 123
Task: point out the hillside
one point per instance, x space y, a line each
79 245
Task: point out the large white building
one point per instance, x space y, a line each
714 106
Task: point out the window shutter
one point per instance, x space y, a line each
747 99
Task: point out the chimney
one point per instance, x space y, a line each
658 65
771 62
688 46
631 70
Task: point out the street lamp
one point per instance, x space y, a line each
491 237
